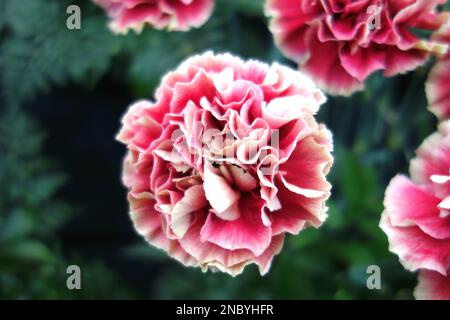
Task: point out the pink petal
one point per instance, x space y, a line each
264 260
148 222
283 110
304 172
363 62
191 14
398 61
416 249
243 180
219 193
209 254
296 212
324 66
193 200
247 232
408 205
290 25
432 286
437 88
179 15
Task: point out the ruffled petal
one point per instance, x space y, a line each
432 286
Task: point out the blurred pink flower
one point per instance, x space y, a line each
227 160
416 218
432 286
438 84
341 42
174 15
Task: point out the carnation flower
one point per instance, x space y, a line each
226 161
416 218
438 84
174 15
340 43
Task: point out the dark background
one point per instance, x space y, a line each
61 198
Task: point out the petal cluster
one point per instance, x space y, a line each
226 161
438 84
417 215
341 42
174 15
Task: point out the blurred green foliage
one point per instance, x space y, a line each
32 265
376 133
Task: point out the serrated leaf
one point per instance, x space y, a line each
36 57
28 17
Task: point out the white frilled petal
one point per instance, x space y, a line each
194 199
220 194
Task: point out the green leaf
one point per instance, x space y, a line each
26 251
40 54
358 182
17 225
25 17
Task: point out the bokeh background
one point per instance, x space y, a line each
62 94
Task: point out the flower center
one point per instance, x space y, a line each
236 176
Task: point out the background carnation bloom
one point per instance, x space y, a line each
226 200
337 46
438 84
417 211
175 15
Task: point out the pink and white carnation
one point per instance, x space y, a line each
416 218
340 43
226 161
438 84
173 15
